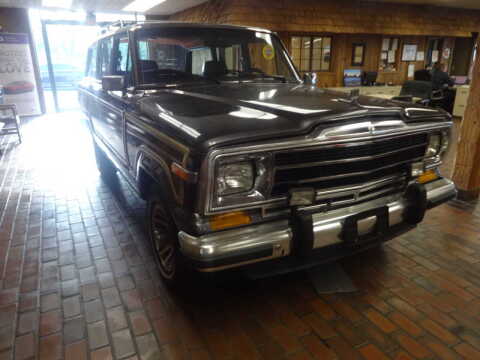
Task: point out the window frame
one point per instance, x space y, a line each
92 62
312 37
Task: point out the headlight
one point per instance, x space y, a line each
240 181
433 148
235 178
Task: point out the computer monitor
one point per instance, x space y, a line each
352 77
369 78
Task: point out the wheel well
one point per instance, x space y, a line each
145 181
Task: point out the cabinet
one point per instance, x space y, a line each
461 100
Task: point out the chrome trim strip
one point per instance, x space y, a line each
348 160
205 204
341 176
321 194
242 241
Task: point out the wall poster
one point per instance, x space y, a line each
17 76
409 52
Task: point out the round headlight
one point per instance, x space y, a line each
433 147
235 178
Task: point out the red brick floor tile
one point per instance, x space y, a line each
50 322
51 347
102 354
317 348
25 347
371 352
76 351
467 351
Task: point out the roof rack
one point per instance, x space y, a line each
123 23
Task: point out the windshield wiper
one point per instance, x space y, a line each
173 73
259 74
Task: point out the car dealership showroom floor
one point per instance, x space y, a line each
78 279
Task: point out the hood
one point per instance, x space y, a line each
226 114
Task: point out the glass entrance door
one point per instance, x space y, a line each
66 45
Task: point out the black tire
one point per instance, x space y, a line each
163 236
104 165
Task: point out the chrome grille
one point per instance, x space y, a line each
351 165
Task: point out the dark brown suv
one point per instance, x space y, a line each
242 162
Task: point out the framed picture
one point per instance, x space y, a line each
358 54
409 52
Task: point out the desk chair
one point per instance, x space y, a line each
10 120
420 92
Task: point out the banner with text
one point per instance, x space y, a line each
17 77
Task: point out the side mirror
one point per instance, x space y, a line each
113 83
310 78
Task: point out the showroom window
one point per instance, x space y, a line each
311 53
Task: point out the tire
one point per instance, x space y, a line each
104 165
163 236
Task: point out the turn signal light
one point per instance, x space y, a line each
427 176
224 221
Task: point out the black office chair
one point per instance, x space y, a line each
214 68
149 70
422 75
369 78
422 90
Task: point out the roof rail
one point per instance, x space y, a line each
123 23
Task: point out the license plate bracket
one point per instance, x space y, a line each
350 232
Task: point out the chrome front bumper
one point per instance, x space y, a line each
232 248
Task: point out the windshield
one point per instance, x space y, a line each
176 54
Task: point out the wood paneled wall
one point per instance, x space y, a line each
347 22
337 16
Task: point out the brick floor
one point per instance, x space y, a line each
78 279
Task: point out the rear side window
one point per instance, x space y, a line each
105 56
121 58
92 61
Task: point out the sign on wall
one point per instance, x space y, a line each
17 76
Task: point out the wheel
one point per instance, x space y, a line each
163 236
104 165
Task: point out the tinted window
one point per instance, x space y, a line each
104 58
121 59
92 61
175 54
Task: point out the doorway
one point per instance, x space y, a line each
66 44
462 56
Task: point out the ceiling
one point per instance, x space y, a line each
467 4
166 8
172 6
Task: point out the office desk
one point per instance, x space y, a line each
385 92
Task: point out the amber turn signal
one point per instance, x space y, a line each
427 176
224 221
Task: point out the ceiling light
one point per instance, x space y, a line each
65 4
142 5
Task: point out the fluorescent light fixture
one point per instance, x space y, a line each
64 4
142 5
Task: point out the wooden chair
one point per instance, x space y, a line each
10 120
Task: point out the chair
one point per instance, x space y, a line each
10 120
422 75
214 68
419 92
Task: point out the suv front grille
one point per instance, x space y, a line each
344 165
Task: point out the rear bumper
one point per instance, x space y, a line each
317 233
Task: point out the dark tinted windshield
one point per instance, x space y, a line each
220 54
